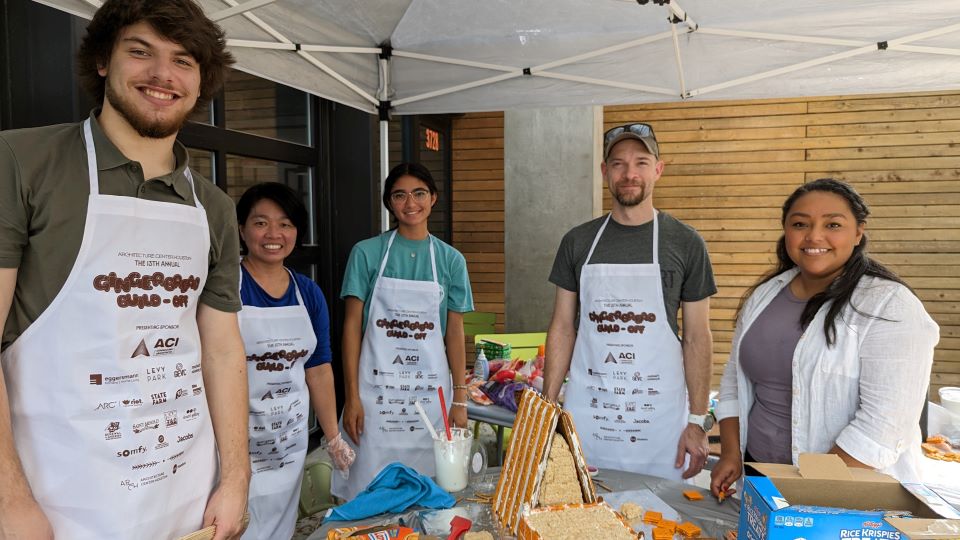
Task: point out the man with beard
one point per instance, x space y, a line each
638 393
123 407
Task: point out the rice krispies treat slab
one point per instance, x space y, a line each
574 522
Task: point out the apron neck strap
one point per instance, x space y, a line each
386 256
94 176
656 238
193 186
596 239
296 287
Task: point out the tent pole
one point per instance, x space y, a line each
340 78
676 52
459 87
680 16
384 109
602 82
784 37
926 50
384 170
780 71
238 9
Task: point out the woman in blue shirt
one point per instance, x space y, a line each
286 333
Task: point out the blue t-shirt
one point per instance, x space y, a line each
409 259
251 294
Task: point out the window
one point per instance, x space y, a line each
201 162
244 172
265 108
261 131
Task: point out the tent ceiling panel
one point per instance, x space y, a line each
592 52
514 96
336 22
525 30
80 8
302 75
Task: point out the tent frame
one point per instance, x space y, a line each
384 106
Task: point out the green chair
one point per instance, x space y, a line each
479 322
315 493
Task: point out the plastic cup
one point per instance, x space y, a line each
452 459
950 399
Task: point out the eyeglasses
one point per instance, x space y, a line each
638 129
400 197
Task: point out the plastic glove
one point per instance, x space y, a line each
341 453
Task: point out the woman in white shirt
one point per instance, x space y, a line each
832 351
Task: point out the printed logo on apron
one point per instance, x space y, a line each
629 401
402 360
278 342
106 396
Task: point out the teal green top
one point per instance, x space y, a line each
409 259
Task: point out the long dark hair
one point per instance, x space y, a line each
413 169
858 265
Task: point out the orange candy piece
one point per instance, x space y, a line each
688 530
660 533
693 495
652 517
668 525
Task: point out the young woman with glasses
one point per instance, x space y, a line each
405 293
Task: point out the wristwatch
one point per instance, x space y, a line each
702 421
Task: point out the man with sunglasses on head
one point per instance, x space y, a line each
638 393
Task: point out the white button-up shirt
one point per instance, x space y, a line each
865 393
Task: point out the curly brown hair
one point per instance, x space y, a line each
180 21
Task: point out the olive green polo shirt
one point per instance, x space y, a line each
44 191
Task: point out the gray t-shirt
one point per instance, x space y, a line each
685 270
766 356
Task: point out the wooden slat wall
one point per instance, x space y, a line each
730 165
478 208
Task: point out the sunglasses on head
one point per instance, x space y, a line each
639 129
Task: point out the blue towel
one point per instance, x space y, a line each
395 489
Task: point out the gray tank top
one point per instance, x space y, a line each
766 356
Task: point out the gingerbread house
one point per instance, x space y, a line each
544 467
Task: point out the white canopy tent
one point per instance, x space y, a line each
443 56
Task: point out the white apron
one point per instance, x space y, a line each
278 341
629 402
402 360
106 394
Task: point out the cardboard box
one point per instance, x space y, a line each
823 498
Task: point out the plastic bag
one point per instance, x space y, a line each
504 394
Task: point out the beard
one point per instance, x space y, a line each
630 200
143 123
